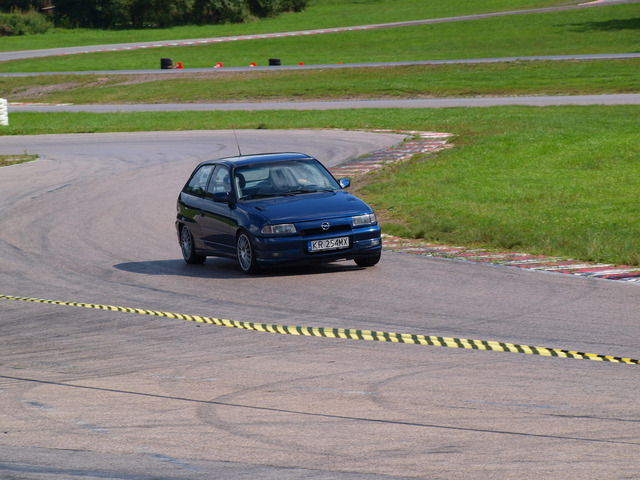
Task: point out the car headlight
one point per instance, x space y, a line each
366 219
280 229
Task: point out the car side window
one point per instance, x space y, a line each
220 181
198 183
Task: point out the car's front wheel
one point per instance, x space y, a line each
246 254
368 261
188 248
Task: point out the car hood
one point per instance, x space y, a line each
309 206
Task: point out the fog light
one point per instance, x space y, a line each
375 242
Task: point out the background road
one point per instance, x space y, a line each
534 101
98 394
187 71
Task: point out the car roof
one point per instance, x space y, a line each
258 158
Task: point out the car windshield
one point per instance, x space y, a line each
290 177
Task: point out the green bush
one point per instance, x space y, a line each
294 5
22 5
219 11
137 13
269 8
17 23
163 13
91 13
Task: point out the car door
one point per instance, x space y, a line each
217 223
192 199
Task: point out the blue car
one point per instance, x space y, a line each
273 209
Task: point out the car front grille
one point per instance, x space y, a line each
320 231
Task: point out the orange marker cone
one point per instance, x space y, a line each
219 65
252 65
179 65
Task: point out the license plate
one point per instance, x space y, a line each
328 244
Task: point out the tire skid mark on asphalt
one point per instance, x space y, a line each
352 334
434 142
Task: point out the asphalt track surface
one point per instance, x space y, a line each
100 394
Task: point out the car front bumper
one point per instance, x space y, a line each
363 242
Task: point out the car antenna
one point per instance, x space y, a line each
237 143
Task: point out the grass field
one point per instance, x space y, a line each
610 29
320 14
556 180
514 78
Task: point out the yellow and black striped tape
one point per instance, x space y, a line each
347 333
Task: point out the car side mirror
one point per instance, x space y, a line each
222 197
345 182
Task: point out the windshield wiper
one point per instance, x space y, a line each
258 195
298 191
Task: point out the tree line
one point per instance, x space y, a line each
149 13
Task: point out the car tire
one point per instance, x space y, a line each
246 253
188 248
368 261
